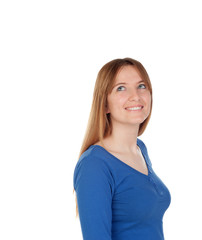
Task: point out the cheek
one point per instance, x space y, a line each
146 96
116 101
113 104
148 99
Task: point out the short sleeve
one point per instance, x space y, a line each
94 186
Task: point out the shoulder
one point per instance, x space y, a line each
141 144
143 147
92 166
92 157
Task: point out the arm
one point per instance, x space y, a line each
93 186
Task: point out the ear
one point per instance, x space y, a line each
107 109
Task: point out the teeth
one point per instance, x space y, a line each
134 108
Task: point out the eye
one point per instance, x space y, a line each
120 88
143 86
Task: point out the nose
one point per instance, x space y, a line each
134 95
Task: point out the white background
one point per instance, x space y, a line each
50 53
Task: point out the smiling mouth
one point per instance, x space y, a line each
134 108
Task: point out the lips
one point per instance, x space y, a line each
133 108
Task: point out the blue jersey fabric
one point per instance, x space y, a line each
117 202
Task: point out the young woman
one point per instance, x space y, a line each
119 196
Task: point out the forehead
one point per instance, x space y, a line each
128 73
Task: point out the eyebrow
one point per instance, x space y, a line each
126 83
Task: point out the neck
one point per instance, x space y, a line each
123 137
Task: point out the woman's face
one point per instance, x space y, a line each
130 99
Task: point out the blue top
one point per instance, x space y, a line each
117 202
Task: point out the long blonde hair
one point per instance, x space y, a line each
99 124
